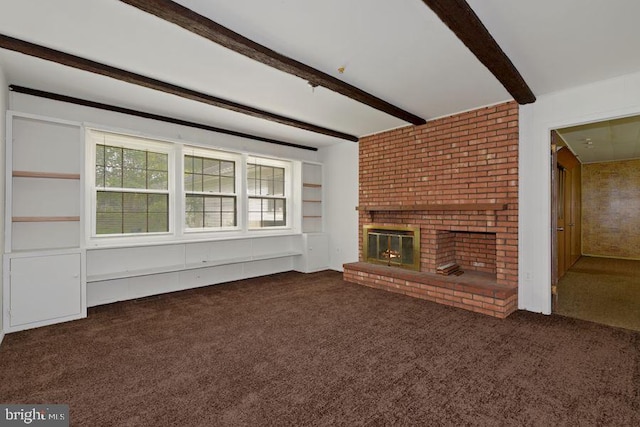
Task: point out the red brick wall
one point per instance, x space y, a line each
470 157
476 251
445 248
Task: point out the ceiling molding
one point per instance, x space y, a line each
204 27
152 116
465 24
77 62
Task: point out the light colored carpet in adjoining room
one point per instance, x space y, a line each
602 290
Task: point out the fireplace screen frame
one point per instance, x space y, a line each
404 232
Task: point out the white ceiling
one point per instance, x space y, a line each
396 50
605 141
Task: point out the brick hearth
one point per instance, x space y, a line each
475 291
470 160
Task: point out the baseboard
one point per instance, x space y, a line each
1 336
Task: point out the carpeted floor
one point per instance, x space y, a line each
293 349
603 290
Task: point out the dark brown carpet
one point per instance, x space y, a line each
603 290
293 349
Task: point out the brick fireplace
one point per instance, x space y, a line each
455 180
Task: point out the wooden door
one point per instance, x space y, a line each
575 215
568 210
561 235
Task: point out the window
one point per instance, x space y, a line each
210 192
133 183
267 190
131 187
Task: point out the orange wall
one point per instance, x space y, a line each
611 209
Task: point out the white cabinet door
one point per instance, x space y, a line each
45 289
317 252
315 255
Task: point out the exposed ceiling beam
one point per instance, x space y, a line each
465 24
69 60
204 27
145 115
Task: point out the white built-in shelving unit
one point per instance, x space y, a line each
315 242
44 162
53 271
43 274
312 195
122 273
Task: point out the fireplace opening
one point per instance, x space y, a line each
392 245
472 251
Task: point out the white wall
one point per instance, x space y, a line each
4 99
150 128
607 99
341 198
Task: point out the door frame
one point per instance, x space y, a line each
554 220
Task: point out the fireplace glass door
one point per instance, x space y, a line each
393 246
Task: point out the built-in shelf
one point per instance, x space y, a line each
436 207
183 267
43 184
45 218
312 206
53 175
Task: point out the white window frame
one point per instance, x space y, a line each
99 137
176 150
287 165
188 150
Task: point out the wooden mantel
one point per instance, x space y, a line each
435 207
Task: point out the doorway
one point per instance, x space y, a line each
596 215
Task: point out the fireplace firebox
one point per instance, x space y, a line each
397 246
